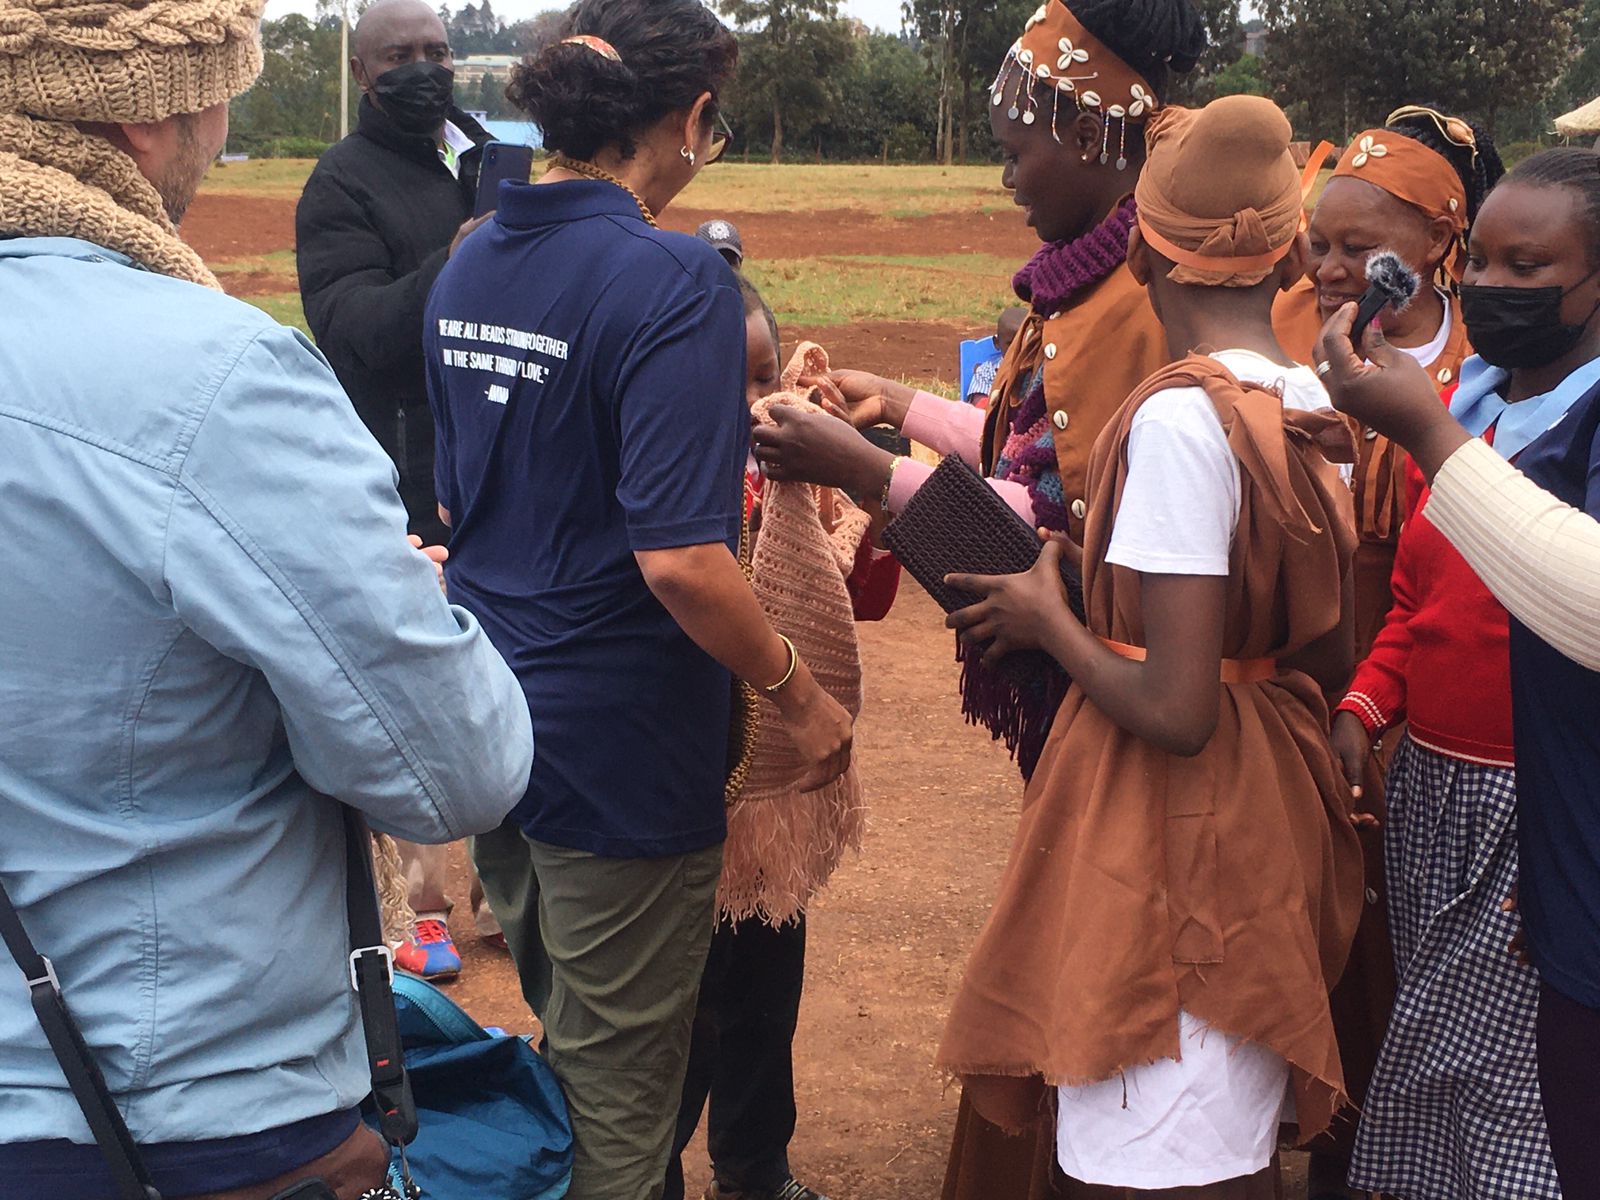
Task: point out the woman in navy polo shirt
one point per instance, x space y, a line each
1531 299
587 379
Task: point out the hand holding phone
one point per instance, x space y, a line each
500 161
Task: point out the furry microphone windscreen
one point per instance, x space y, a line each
1389 282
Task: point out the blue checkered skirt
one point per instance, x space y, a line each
1453 1112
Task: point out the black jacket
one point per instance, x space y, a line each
372 231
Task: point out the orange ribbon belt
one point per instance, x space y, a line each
1234 670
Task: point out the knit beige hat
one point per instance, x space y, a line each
125 60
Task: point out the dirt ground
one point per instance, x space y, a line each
853 232
226 227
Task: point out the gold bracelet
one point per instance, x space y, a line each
888 482
794 665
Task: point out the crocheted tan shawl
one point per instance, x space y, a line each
57 181
783 844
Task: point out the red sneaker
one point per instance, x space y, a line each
429 952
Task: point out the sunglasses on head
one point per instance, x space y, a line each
1454 129
720 140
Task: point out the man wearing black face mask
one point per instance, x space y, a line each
380 214
376 222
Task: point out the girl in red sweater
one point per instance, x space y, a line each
1454 1111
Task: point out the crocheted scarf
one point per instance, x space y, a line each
1020 715
57 181
1060 269
783 844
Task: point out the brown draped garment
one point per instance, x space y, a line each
1227 884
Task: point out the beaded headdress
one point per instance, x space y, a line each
1056 50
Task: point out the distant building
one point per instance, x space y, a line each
1255 42
471 70
521 133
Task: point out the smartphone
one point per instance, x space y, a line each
501 160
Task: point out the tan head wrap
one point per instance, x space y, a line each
109 61
1220 194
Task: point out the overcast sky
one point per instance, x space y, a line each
881 14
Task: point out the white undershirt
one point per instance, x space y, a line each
1180 504
455 145
1429 354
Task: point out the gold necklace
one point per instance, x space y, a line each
590 171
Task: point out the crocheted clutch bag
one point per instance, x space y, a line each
957 524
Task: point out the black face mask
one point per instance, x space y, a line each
416 97
1512 327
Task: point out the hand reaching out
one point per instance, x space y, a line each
809 447
863 398
1387 391
1014 612
862 415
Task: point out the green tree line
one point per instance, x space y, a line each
814 85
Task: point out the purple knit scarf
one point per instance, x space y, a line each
1019 711
1060 269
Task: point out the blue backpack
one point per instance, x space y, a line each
492 1122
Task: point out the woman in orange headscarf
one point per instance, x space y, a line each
1413 187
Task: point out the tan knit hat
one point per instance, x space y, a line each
125 60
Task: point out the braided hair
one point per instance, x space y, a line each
1157 38
1478 172
1568 167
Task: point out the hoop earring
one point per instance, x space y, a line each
688 155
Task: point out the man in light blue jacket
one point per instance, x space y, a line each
212 632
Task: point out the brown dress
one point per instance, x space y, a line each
1228 884
1365 994
1084 386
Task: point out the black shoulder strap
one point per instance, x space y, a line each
371 973
72 1052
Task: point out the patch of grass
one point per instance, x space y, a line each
838 291
284 308
984 266
896 191
939 387
278 178
279 264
